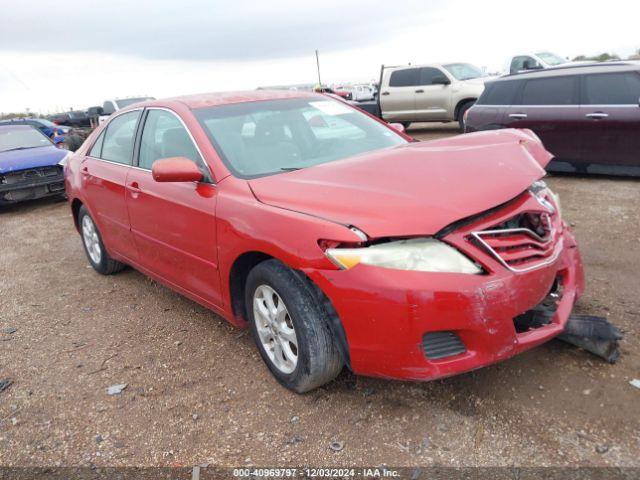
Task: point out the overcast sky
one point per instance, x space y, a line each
76 53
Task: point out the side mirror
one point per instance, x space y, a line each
441 80
398 127
176 169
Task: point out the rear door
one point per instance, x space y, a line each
104 172
611 119
550 107
489 111
174 223
433 100
398 95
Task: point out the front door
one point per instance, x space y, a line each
104 172
174 224
611 121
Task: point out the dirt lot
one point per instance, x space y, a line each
198 391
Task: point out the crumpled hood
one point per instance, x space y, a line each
30 158
415 189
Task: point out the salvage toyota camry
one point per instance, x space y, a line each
336 238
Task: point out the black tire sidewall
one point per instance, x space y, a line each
465 106
303 311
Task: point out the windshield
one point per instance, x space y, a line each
125 102
20 138
551 58
464 71
267 137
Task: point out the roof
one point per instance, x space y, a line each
202 100
580 69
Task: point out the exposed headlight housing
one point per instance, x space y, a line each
419 255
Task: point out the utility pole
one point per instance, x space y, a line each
318 65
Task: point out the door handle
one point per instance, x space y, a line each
419 91
85 170
385 93
134 187
597 115
517 115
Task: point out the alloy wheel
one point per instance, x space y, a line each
91 239
275 329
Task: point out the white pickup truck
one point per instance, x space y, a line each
426 93
113 105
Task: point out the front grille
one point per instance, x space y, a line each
523 242
31 174
442 344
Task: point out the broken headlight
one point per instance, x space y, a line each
419 254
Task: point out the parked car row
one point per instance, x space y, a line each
587 116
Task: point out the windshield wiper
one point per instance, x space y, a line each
290 169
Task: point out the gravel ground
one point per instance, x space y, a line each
198 392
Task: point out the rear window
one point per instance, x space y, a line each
550 91
499 93
612 89
408 77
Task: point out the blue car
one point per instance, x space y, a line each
30 164
45 126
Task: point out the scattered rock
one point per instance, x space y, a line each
99 439
178 343
336 446
426 442
194 416
116 389
295 418
602 449
5 383
586 392
295 439
635 383
8 330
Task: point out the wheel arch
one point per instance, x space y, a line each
459 105
76 205
238 274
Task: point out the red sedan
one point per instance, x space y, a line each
337 239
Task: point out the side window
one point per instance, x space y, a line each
523 62
108 108
550 91
96 149
164 136
499 93
612 89
427 74
408 77
117 145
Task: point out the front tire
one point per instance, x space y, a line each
94 247
290 328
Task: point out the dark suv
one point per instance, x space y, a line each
588 116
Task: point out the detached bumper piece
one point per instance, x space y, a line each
593 334
31 184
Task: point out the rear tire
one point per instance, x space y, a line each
94 247
406 125
461 112
290 328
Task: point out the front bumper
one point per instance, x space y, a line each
386 313
31 187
